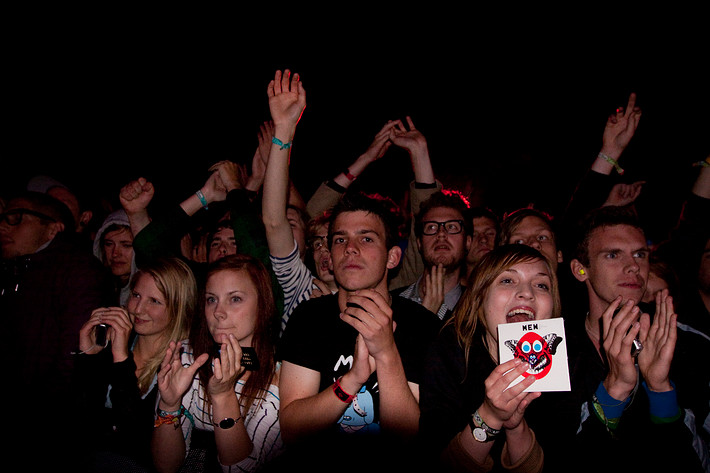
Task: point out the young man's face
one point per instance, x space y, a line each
484 239
222 244
618 263
321 254
444 247
535 232
359 251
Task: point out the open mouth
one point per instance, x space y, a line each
520 315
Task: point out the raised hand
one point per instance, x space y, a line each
659 339
136 195
619 331
287 98
227 368
620 128
174 379
408 137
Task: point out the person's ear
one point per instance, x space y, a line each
578 270
393 257
54 228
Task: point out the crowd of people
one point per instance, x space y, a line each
251 328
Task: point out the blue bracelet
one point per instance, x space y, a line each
277 141
201 196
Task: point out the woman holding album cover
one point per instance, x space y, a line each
471 420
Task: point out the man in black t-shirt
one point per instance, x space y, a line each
351 361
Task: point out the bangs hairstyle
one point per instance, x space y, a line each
176 282
469 311
265 332
381 206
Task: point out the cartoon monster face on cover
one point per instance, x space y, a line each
536 351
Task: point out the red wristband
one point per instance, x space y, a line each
341 394
347 174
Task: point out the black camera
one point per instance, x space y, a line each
101 330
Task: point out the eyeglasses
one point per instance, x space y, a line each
319 243
14 217
452 227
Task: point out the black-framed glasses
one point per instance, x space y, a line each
452 227
14 217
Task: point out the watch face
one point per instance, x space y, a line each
480 434
226 423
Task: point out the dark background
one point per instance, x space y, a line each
508 123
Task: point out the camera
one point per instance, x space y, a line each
101 330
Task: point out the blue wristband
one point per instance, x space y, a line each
277 141
613 408
201 196
662 405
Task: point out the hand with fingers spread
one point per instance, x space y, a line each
174 379
287 99
408 137
624 194
659 339
619 331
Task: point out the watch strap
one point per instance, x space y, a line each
227 422
481 431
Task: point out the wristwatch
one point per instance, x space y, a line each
227 422
482 432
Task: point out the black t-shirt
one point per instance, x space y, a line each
316 338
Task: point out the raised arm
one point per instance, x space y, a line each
328 193
287 100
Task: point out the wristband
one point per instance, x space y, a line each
481 431
613 162
347 174
341 394
201 196
277 141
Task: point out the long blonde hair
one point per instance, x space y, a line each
469 310
176 282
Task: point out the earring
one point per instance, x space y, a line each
581 271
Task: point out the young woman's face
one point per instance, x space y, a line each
231 306
521 293
147 307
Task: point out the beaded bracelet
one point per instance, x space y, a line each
613 162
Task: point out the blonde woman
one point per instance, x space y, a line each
117 377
